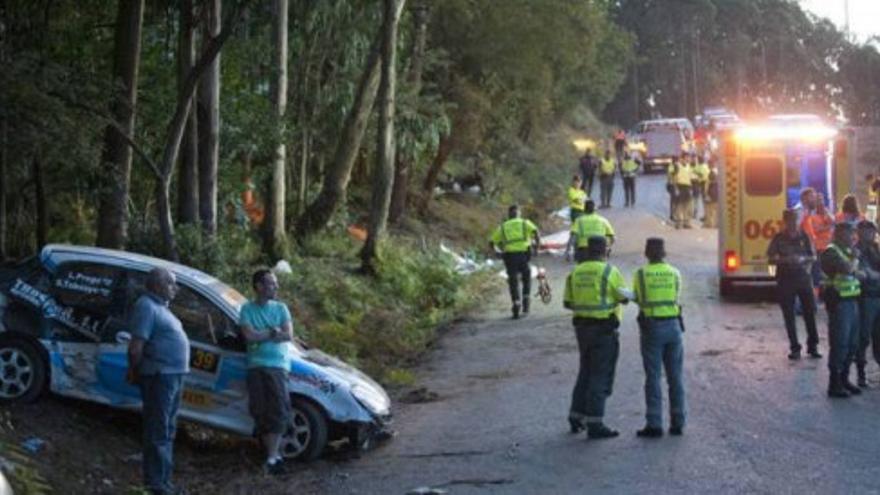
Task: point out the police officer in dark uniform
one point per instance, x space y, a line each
514 237
869 304
594 290
792 252
657 288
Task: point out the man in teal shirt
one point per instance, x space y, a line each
268 329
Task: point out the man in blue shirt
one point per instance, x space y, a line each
158 360
268 329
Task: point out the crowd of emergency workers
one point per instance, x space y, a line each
834 259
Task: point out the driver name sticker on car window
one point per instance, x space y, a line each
86 324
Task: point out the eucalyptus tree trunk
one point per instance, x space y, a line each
338 172
403 164
188 177
113 197
208 114
275 229
383 171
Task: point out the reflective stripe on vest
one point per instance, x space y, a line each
664 306
847 286
607 167
603 295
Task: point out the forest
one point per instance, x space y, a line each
229 134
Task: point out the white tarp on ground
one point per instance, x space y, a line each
466 264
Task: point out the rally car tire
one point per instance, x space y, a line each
306 436
23 370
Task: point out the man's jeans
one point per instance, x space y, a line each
788 292
843 334
599 347
661 345
869 309
161 397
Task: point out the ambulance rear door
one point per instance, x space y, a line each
762 199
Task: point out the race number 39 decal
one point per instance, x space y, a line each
757 230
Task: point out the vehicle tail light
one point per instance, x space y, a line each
731 261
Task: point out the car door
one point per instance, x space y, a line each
90 360
215 391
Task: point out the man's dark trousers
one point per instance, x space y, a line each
161 399
599 348
629 190
517 266
843 331
798 287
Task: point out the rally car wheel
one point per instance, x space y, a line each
306 436
22 371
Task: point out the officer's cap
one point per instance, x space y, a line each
789 214
866 224
597 245
655 246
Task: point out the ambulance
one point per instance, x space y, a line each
762 169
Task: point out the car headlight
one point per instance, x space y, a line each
375 401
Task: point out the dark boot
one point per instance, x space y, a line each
598 431
650 432
515 310
863 379
844 381
576 425
835 389
525 306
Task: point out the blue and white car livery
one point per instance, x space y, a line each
63 325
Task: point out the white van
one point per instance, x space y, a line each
660 140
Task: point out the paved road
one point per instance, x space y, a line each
758 423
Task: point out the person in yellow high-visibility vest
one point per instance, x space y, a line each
657 288
841 295
576 198
588 225
683 178
607 167
670 187
594 291
700 179
514 237
628 169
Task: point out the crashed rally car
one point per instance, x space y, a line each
63 327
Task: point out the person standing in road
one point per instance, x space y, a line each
629 168
619 145
657 288
700 179
514 237
684 199
671 169
818 224
588 225
606 180
158 361
869 305
576 198
792 253
710 204
849 211
587 168
594 290
267 328
841 294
